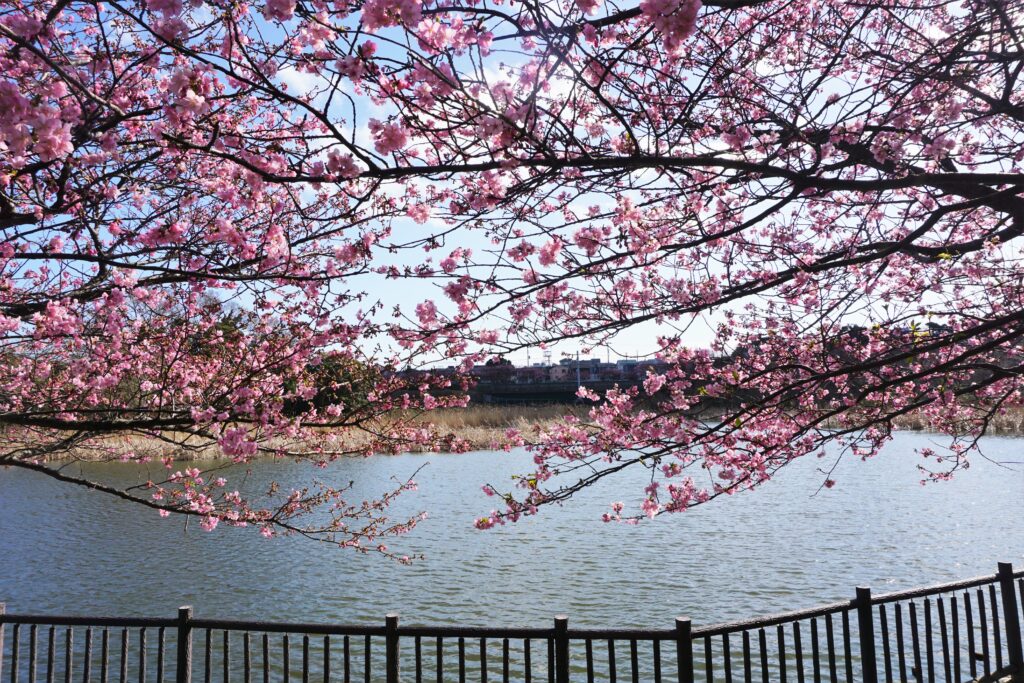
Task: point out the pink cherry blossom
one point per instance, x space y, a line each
388 137
550 251
377 14
419 213
199 207
675 19
281 10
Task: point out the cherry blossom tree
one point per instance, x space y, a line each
201 200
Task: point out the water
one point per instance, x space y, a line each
68 550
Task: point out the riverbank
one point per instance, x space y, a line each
1009 423
484 424
481 427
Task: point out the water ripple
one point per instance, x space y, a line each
72 551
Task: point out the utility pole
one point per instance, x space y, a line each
579 382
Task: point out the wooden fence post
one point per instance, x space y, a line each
866 628
1011 619
561 649
684 650
184 670
391 647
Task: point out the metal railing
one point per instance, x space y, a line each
964 630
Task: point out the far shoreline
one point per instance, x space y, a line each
481 427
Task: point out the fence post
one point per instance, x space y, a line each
561 649
3 611
391 646
1011 619
684 650
866 628
184 671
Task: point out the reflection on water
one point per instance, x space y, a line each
67 550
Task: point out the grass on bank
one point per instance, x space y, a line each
483 426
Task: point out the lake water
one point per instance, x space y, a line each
68 550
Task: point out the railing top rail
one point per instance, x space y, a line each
832 608
533 632
938 588
474 632
64 620
288 627
622 634
498 632
762 622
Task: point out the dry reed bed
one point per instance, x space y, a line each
481 426
1008 421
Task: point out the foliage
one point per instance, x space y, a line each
785 169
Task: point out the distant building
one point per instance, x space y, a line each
561 373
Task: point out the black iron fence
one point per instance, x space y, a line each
965 630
